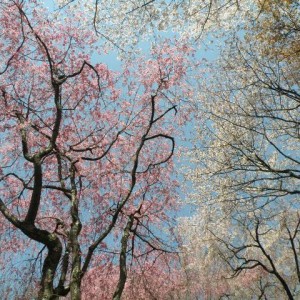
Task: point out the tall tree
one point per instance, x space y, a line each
86 153
247 173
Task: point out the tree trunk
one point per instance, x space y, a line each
50 265
123 270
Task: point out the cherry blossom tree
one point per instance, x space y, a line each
87 174
122 24
157 279
247 162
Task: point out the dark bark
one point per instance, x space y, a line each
76 277
122 263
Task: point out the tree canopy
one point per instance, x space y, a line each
246 166
92 159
